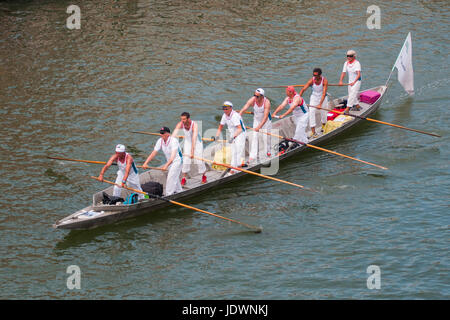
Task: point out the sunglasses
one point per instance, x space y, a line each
349 56
257 96
316 75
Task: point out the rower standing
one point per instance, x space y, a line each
127 173
299 109
353 68
193 146
262 120
318 99
174 157
237 130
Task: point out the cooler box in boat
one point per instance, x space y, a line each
336 123
369 96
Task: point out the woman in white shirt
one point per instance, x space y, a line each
353 68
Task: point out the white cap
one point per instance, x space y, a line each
120 148
260 91
227 104
353 52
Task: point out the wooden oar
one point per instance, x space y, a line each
181 137
99 162
322 149
256 229
246 112
381 122
254 173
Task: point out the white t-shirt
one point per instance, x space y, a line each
232 121
168 146
351 70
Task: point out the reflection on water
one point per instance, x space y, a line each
136 65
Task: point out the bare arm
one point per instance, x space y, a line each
307 85
357 78
150 158
127 170
237 131
194 138
324 94
341 78
295 103
281 106
247 105
219 130
172 157
175 131
107 165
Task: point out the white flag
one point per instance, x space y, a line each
404 66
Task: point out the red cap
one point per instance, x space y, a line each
290 89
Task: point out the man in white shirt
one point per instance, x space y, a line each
237 130
171 148
353 68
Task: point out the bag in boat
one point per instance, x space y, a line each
336 123
132 198
286 145
332 115
153 187
112 200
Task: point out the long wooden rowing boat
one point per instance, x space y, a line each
97 214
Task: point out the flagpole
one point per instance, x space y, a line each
390 74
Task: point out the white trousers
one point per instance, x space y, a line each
316 113
353 94
132 182
254 146
198 152
173 184
238 150
301 122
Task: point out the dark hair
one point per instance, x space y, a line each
318 70
164 129
186 114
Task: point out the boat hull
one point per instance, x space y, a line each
107 214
